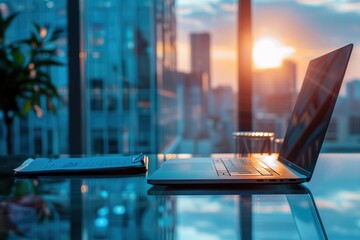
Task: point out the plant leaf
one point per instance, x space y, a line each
18 56
27 106
49 62
37 27
5 23
9 19
56 34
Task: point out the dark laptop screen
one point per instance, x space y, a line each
313 108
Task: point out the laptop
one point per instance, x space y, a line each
302 142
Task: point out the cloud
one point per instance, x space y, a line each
199 205
195 3
339 6
230 7
191 6
326 204
351 196
346 232
208 8
190 21
180 11
193 233
342 201
272 209
313 2
349 7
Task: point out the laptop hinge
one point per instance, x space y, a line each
295 167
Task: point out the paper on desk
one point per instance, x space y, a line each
63 165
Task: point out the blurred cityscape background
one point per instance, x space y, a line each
161 75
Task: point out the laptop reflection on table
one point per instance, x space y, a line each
250 212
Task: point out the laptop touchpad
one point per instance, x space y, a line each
187 166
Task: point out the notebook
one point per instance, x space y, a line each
301 146
86 165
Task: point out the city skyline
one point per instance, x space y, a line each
138 101
312 28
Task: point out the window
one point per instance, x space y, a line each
332 132
113 141
282 51
38 140
354 125
206 76
50 143
24 135
163 75
29 134
119 41
97 141
112 103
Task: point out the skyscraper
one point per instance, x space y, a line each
343 134
223 118
275 89
128 62
200 55
129 65
193 112
274 95
353 89
194 117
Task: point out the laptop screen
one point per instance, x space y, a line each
313 109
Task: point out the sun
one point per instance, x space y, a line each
268 52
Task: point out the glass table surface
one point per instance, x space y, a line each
126 207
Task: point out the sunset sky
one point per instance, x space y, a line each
297 29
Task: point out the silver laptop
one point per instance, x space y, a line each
301 146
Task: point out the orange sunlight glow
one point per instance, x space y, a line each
269 53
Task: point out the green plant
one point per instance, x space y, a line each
24 77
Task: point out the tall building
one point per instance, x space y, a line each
223 119
274 95
200 59
129 60
168 117
353 90
200 54
343 134
275 89
193 125
194 105
224 102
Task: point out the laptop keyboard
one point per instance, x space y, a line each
238 167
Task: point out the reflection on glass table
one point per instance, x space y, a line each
253 213
74 208
125 208
32 209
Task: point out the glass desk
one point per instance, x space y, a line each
121 207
